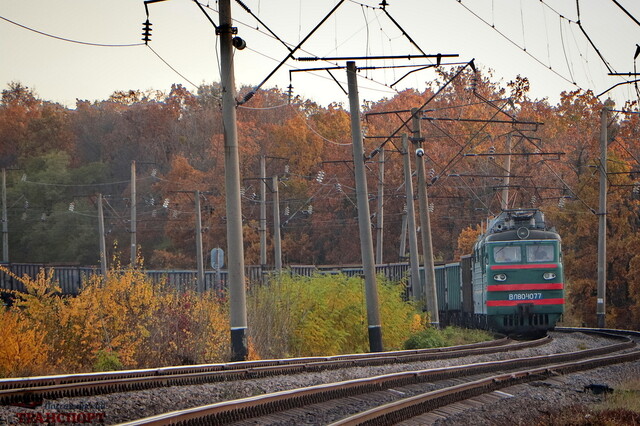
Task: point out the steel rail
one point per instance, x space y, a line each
407 408
245 408
37 388
10 383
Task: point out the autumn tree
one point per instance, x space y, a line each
51 219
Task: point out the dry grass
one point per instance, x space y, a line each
621 407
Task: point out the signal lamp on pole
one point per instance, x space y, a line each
238 43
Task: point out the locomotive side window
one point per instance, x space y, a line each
540 253
506 254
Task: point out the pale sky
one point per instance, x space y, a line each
62 71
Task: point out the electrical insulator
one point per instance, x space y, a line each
320 176
432 173
492 150
146 31
43 217
310 209
154 213
289 93
286 168
243 191
339 187
24 216
26 204
474 83
254 196
534 200
431 208
24 177
154 172
636 188
72 206
287 211
152 201
561 202
165 203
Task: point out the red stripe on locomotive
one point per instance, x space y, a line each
559 301
528 266
507 287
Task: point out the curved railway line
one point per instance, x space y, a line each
382 399
30 389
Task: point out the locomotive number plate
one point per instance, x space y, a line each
525 296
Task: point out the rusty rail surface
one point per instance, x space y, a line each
242 409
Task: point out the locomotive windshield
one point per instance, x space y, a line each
540 253
506 254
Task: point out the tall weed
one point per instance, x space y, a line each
325 315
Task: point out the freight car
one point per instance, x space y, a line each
511 283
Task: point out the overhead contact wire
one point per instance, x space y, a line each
518 46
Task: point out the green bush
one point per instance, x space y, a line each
429 338
449 336
107 360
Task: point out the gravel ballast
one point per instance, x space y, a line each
529 402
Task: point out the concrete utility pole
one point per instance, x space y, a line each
5 220
103 244
403 236
505 183
134 246
430 291
602 223
414 263
364 220
235 249
380 211
262 225
199 258
277 242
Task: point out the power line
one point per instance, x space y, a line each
173 69
289 47
68 39
549 67
82 185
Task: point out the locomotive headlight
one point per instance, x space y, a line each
500 277
548 275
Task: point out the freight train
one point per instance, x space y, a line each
512 282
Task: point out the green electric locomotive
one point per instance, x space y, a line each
517 273
512 282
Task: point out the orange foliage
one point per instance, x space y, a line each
23 351
467 239
138 323
182 134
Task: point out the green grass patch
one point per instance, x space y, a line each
449 336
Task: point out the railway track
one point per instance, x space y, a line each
35 389
404 389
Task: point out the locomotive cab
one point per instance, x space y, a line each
522 274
